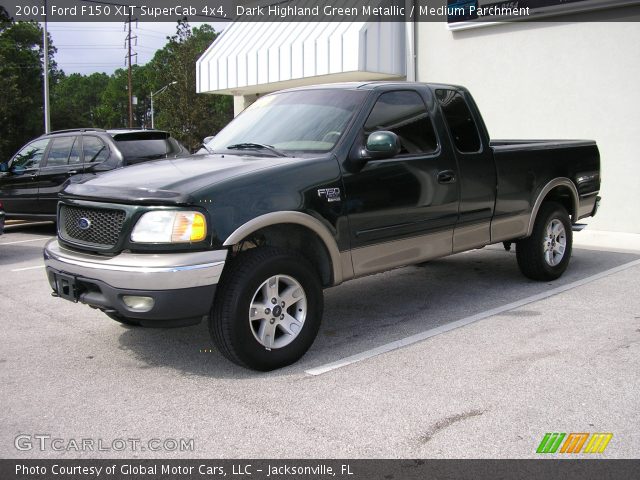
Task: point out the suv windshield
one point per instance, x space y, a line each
304 120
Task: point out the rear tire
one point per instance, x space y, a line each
546 253
267 309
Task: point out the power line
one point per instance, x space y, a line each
93 47
74 64
56 28
89 45
153 35
151 30
93 63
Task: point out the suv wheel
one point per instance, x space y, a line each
267 310
545 254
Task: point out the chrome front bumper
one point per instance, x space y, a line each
140 271
177 288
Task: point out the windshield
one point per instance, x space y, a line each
304 120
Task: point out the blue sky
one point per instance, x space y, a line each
100 46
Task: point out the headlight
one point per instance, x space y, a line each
170 226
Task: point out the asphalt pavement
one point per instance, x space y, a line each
388 377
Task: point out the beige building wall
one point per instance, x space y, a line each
553 80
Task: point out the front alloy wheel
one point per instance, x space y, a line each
267 309
278 311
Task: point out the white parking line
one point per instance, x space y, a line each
463 322
25 241
27 268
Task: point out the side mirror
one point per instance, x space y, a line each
208 139
382 144
4 167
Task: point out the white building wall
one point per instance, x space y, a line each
553 80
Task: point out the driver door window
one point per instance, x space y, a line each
405 114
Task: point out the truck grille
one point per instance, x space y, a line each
91 226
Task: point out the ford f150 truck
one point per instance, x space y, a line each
304 190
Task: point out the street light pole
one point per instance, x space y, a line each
45 46
158 93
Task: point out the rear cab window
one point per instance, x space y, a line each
457 115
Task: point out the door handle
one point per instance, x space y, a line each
447 176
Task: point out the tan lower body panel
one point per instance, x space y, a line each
347 265
384 256
471 236
509 228
408 251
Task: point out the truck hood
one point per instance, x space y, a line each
170 181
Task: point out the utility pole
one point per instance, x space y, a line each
129 55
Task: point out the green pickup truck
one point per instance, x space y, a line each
304 190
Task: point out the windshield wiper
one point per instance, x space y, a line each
256 146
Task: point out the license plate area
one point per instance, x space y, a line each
66 287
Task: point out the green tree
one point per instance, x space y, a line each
112 110
21 83
75 99
187 115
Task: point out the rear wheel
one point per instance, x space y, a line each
545 254
267 309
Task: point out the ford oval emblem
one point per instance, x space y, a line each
84 223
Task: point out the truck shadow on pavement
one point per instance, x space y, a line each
32 228
375 310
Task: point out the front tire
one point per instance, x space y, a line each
545 254
268 308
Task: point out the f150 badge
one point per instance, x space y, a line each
329 194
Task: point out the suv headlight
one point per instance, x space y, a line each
170 226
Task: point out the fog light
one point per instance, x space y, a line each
139 304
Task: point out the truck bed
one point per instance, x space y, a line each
528 165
